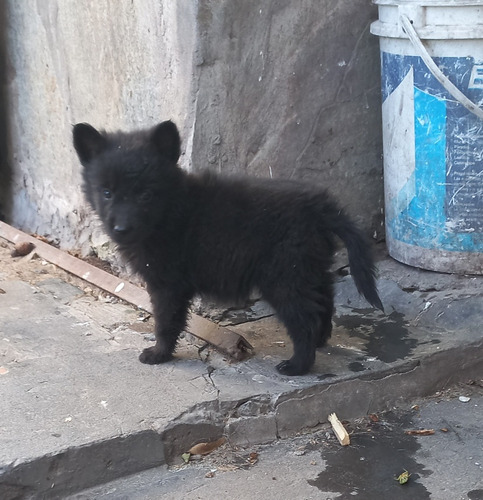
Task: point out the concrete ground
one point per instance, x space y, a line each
79 409
447 465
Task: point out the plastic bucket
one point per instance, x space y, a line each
432 100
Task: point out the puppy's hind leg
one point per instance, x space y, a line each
302 331
303 357
300 317
326 311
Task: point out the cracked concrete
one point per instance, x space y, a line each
315 466
77 399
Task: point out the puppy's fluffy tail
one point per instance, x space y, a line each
361 262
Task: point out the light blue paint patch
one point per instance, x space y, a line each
441 207
404 196
427 207
423 221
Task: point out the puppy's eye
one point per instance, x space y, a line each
107 194
145 196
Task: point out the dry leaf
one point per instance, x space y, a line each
41 238
23 248
205 448
210 474
420 432
253 458
374 417
403 478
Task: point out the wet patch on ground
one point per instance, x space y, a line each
356 366
385 338
379 452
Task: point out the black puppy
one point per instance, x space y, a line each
219 237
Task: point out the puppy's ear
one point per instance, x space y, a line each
165 137
88 142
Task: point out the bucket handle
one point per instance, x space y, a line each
438 74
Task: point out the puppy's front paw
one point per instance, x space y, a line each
153 356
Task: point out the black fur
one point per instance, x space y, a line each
219 237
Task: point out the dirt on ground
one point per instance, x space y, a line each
31 268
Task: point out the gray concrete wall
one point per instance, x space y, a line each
114 64
5 174
292 89
280 88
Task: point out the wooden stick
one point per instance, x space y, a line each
339 430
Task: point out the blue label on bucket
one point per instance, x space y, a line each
436 200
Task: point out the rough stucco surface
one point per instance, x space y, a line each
273 88
113 64
291 89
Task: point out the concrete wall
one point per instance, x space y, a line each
281 88
292 89
5 174
114 64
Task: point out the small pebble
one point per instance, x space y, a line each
464 399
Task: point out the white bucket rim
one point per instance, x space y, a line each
431 3
391 30
431 18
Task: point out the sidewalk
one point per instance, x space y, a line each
79 409
447 465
